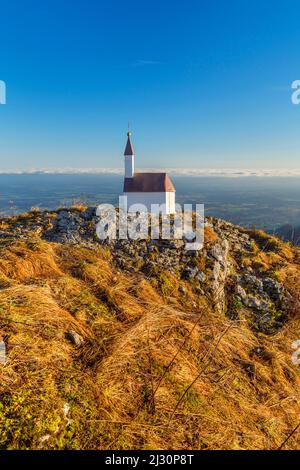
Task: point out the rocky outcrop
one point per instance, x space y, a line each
218 261
218 270
72 227
266 298
74 338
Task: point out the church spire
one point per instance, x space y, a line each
128 148
129 157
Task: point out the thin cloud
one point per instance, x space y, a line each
238 173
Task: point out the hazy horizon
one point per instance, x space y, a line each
205 172
267 202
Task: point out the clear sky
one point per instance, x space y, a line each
203 83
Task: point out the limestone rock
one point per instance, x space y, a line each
74 338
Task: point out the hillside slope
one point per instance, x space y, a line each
141 345
289 233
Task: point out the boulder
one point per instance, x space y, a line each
74 338
189 272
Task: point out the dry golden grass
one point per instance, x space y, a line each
158 369
269 253
79 207
36 260
210 235
271 244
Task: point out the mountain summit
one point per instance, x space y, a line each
143 345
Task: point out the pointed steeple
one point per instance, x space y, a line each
128 148
129 157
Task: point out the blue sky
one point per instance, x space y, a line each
203 83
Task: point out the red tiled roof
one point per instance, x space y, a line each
148 183
129 148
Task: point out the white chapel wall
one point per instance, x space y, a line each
152 198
